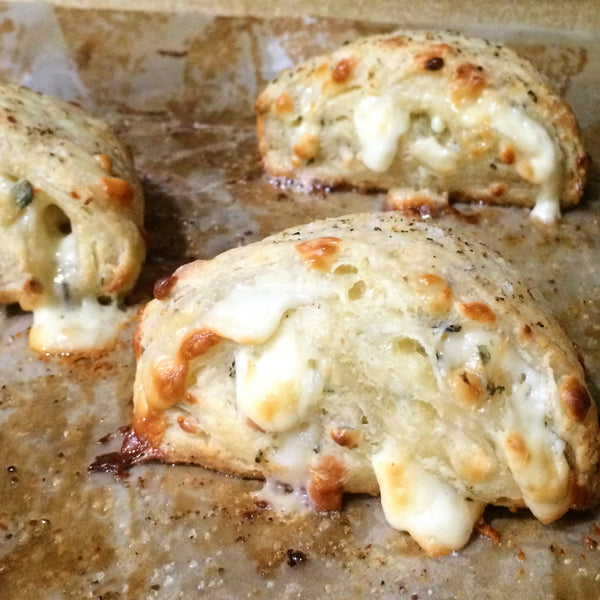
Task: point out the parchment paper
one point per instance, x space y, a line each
179 88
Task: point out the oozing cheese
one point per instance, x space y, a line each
380 122
413 500
74 326
64 320
66 266
277 385
430 152
251 315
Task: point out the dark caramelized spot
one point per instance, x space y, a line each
435 63
137 447
163 287
575 398
296 557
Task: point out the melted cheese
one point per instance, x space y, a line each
251 314
528 392
430 152
70 327
66 266
284 499
379 123
413 500
277 384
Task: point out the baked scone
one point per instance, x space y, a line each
369 354
439 112
71 215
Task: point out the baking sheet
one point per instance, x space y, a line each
179 88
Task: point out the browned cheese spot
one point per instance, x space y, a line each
348 438
284 103
469 79
196 343
467 388
344 70
517 447
477 311
319 253
307 146
74 195
151 426
327 484
497 189
435 292
169 382
136 342
118 190
507 156
163 287
575 397
185 425
104 162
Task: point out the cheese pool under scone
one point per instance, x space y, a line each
71 215
435 112
369 354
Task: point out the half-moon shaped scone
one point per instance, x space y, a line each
71 213
369 354
420 111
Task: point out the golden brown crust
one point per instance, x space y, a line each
370 354
575 397
76 193
433 76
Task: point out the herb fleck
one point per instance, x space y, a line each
493 389
484 354
23 192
